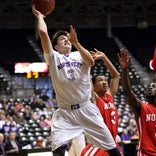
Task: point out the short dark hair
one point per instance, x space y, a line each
56 35
95 76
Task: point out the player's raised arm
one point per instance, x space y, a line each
42 31
84 52
132 100
114 82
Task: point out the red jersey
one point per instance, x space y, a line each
109 113
146 124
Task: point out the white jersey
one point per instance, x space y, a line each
76 114
70 77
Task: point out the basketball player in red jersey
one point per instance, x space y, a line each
145 112
102 96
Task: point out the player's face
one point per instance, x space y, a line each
151 90
63 44
101 84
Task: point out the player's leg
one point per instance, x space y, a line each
63 131
78 144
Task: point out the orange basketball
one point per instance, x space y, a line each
44 6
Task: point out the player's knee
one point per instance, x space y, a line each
60 151
114 152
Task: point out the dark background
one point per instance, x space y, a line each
133 21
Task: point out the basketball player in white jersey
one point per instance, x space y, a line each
70 74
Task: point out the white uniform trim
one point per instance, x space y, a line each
88 151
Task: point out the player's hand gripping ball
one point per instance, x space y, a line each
44 6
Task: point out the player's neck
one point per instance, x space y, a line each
102 95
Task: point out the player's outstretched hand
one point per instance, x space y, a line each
36 12
124 58
97 54
73 36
